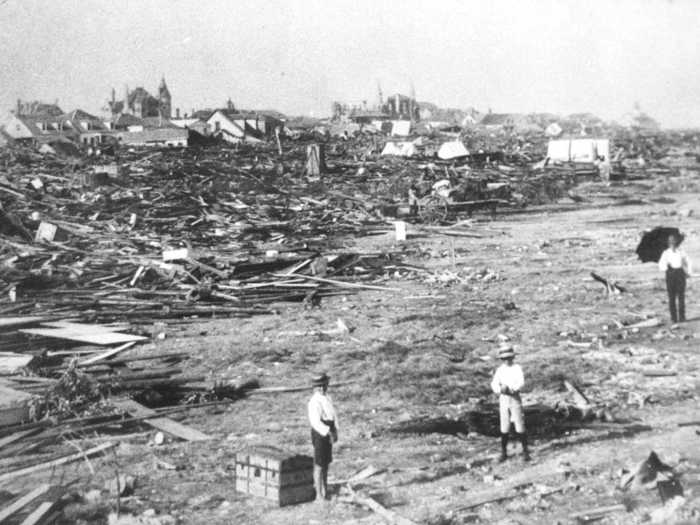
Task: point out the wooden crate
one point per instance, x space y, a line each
274 474
14 406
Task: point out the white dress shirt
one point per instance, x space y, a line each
510 376
321 407
674 258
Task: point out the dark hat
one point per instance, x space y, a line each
320 380
506 351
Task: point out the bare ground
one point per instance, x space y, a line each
428 349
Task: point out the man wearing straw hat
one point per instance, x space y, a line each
507 383
324 432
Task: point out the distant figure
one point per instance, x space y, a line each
324 432
507 383
603 168
676 264
413 200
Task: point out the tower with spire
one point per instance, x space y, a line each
164 99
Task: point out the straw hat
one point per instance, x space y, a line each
320 380
506 351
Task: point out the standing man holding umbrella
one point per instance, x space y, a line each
676 264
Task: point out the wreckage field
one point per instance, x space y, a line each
167 317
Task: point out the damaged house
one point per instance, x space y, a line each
49 124
235 126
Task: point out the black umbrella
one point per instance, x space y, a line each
654 243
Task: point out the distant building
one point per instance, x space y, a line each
233 125
47 125
155 137
36 108
401 107
510 123
141 103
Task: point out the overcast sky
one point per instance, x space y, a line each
299 55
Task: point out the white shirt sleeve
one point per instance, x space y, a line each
663 261
496 382
315 417
686 264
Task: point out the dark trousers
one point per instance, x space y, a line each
675 284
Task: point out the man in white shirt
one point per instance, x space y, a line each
507 382
324 432
676 264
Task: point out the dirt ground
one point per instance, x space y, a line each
428 348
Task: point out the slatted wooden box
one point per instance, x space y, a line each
14 406
274 474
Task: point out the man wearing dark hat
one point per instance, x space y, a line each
507 383
324 432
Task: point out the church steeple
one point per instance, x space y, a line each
164 99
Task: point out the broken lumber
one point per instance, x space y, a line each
107 354
596 513
161 423
389 515
341 284
23 501
580 398
648 323
610 287
38 515
56 462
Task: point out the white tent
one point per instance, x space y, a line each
578 150
400 149
452 150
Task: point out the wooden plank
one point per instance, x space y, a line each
7 440
597 513
582 401
107 354
87 328
7 322
101 338
23 501
40 513
341 284
10 362
7 476
161 423
389 515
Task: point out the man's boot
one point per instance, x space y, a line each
504 447
523 441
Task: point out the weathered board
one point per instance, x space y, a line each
8 322
161 423
88 336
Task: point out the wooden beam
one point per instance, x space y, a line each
161 423
37 517
597 513
107 354
7 440
582 401
56 462
341 284
23 501
388 515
